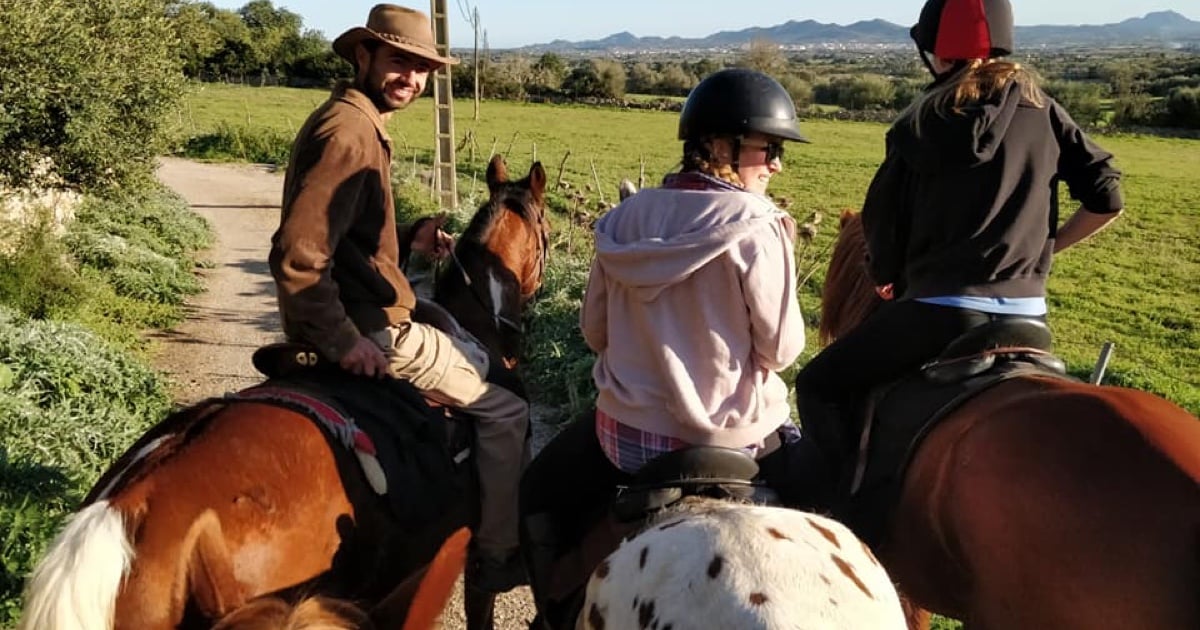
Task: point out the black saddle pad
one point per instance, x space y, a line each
904 413
411 439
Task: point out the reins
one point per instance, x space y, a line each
497 317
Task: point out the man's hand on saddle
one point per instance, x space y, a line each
430 241
365 359
886 291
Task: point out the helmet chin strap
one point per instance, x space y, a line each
958 64
928 63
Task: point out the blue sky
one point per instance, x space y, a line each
511 23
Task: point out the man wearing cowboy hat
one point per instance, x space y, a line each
335 259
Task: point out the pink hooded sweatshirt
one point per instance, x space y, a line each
691 306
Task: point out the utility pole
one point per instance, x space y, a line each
471 15
445 180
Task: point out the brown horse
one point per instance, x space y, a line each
228 501
419 600
1041 502
491 279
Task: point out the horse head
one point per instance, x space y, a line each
500 260
848 296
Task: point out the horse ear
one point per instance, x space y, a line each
847 216
497 172
626 189
438 583
537 179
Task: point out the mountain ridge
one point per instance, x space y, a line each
1161 28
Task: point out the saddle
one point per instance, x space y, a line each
897 416
422 449
707 471
661 483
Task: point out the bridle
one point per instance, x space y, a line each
543 258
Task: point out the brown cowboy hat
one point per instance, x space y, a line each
399 27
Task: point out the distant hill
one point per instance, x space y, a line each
1163 28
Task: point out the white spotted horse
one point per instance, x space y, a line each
263 493
693 540
709 563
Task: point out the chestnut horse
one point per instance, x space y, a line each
491 280
230 500
1041 502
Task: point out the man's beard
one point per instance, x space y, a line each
377 92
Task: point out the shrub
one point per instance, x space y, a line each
1084 101
87 86
70 403
239 143
1135 110
36 277
125 265
1183 107
143 242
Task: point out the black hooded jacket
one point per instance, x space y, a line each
970 207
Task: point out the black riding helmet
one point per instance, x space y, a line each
959 30
736 102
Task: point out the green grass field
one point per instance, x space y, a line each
1133 284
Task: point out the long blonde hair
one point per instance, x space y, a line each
699 157
978 80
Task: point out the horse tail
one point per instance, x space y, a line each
75 585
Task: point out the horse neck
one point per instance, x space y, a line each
848 296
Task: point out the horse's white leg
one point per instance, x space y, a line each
75 585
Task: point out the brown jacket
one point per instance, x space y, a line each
335 255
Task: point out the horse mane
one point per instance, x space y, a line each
848 296
312 613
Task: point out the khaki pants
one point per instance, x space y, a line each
452 371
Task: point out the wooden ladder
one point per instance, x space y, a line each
445 181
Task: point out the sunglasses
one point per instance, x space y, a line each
774 150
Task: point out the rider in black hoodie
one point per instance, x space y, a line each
961 218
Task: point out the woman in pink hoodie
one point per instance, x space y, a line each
691 309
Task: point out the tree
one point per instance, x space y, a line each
674 80
1084 101
702 68
642 79
1183 107
88 88
599 78
765 56
862 91
800 90
612 78
269 28
548 73
195 31
308 60
1134 110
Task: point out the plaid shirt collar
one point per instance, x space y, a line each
697 181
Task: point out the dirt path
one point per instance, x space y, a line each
208 354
